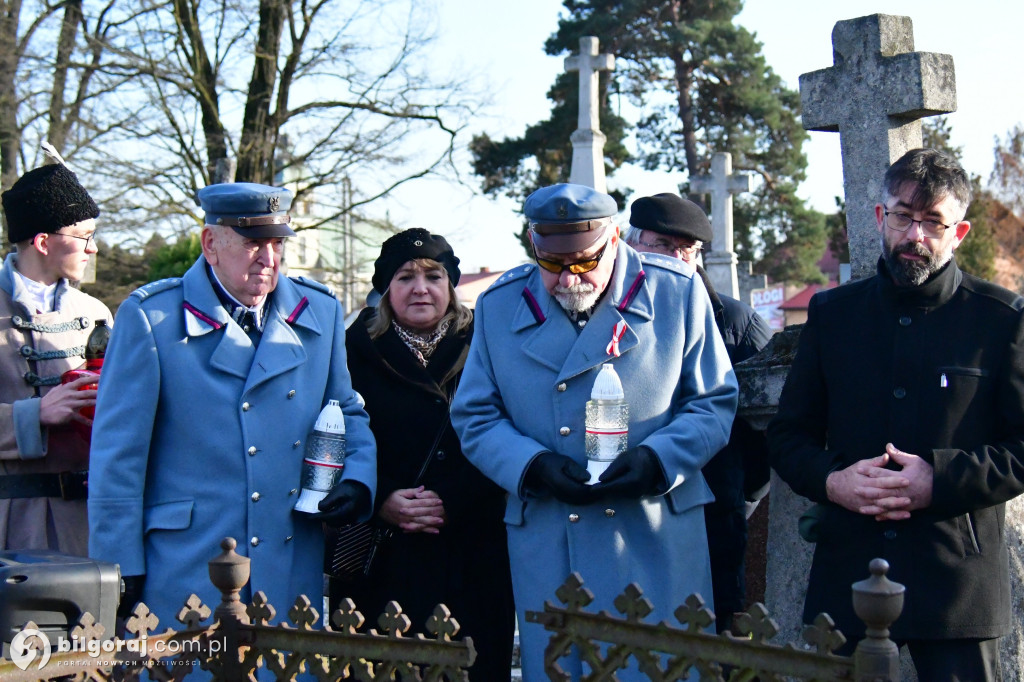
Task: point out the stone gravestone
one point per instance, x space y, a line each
722 183
873 97
588 140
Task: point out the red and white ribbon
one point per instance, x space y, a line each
617 334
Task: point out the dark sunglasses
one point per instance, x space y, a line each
577 268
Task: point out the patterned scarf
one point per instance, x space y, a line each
421 345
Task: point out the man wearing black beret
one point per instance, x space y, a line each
44 324
738 475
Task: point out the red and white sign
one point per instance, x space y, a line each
767 301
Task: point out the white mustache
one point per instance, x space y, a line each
581 288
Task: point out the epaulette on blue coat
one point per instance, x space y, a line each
667 263
515 274
313 284
153 288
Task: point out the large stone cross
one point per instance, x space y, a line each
588 140
722 183
873 96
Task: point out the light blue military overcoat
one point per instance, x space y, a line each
200 435
524 390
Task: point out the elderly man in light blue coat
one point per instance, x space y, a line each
542 334
211 386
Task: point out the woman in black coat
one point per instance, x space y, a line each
448 544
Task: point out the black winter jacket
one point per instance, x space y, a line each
938 370
466 566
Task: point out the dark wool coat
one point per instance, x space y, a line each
938 370
740 470
741 467
466 566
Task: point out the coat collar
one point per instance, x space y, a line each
12 285
934 292
555 344
205 313
389 353
280 348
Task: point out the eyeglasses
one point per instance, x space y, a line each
90 241
576 268
901 222
689 250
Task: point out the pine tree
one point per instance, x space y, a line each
976 253
700 85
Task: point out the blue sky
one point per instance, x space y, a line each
499 45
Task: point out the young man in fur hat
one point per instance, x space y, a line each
44 324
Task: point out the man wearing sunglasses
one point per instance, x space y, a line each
542 334
738 475
903 418
44 324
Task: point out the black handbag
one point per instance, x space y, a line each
351 549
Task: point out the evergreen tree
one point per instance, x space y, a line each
976 254
700 85
543 155
173 260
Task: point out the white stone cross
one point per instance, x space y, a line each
722 183
588 140
873 96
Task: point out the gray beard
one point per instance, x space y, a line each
907 273
578 298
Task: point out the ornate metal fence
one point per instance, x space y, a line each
241 639
608 643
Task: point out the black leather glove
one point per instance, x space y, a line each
635 473
346 502
133 585
560 477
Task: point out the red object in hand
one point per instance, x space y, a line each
95 349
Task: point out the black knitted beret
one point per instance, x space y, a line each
409 245
671 214
46 199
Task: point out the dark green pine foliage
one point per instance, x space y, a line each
543 155
700 85
977 251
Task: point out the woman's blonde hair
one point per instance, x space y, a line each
459 314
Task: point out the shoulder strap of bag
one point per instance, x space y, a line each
437 439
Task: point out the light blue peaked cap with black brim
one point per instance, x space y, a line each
567 218
252 210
